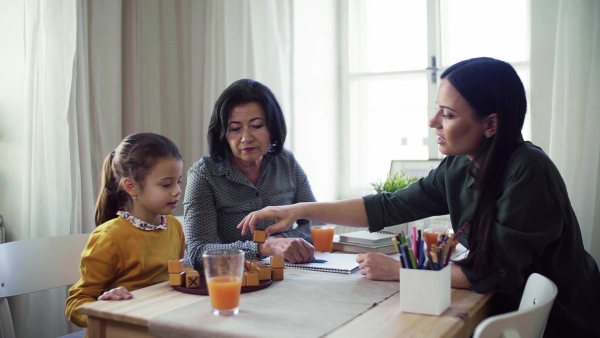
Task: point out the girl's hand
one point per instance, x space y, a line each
377 266
283 215
120 293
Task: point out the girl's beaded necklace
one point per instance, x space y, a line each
138 223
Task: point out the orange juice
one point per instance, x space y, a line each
224 292
322 238
431 236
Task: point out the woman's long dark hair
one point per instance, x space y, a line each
241 92
489 86
135 157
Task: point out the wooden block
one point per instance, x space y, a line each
278 274
175 265
248 265
259 264
252 278
192 279
259 236
264 272
244 280
253 266
277 262
177 279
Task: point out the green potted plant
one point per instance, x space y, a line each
393 182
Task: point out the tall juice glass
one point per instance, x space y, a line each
224 270
322 236
431 235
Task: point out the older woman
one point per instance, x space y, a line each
248 169
507 202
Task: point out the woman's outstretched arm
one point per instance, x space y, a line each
347 212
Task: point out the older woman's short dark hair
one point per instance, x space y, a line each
241 92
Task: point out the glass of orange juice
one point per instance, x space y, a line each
431 236
224 270
433 227
322 236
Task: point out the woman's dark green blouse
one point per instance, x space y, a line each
535 230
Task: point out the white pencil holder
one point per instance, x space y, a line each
425 291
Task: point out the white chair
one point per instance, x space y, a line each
531 317
33 265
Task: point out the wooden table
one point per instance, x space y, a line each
385 320
134 318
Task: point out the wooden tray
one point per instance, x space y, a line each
203 290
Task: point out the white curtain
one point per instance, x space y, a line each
50 40
178 56
98 71
52 194
245 39
565 75
59 194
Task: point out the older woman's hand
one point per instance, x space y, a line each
120 293
295 250
377 266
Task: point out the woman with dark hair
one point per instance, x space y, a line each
248 169
507 202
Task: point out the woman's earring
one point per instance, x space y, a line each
487 134
135 197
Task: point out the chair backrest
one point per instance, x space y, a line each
531 317
33 265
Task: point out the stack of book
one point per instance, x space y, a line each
364 241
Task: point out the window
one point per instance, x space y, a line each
393 53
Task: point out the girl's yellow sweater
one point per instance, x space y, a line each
119 254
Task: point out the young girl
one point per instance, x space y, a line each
134 240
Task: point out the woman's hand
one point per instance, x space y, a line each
284 216
120 293
377 266
295 250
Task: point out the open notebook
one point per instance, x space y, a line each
334 262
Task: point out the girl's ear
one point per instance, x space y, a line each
491 125
130 187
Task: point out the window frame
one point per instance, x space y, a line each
434 49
